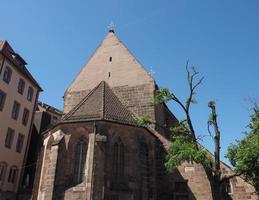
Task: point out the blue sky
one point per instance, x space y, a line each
219 37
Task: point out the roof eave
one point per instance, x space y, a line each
27 74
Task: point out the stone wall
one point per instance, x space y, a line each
138 99
240 189
133 182
71 99
56 180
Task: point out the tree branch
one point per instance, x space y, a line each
174 98
198 83
225 178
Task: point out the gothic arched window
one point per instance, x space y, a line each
80 157
118 164
145 169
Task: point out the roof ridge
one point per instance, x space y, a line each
124 110
73 110
103 104
134 56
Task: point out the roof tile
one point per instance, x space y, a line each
101 103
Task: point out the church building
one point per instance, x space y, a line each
98 151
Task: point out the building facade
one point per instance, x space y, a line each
98 151
18 96
45 117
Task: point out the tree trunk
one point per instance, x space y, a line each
217 171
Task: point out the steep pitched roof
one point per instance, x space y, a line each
101 104
113 63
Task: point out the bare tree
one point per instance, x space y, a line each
164 95
216 168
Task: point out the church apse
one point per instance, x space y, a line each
99 152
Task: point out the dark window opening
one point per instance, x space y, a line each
21 86
16 109
25 116
118 165
2 100
30 94
12 174
19 143
2 64
3 167
7 74
9 138
54 119
146 169
110 59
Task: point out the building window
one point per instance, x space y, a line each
21 86
19 143
30 94
2 100
110 59
2 59
25 116
7 74
146 169
118 164
9 138
3 167
12 175
16 109
54 119
80 156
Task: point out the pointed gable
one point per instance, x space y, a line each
113 63
100 104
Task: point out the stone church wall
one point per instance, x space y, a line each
138 99
136 89
136 184
56 180
71 99
239 189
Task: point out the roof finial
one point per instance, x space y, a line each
111 27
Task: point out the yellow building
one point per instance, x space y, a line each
18 96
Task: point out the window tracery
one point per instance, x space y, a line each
80 158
